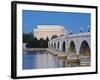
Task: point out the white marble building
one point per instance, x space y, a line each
44 31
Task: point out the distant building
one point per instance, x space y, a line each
44 31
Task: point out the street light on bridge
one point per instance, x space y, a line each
81 29
71 32
88 28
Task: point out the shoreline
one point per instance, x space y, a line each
34 49
61 55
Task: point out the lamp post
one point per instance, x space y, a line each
71 32
88 28
81 29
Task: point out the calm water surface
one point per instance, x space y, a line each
38 60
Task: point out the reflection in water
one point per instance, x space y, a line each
38 60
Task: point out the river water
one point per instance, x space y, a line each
38 60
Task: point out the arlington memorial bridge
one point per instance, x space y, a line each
75 47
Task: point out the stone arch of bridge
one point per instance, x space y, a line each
84 49
55 45
85 53
63 46
58 45
72 48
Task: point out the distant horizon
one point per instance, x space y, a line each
71 21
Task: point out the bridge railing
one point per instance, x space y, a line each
71 35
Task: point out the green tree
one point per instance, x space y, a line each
54 36
33 42
46 42
27 36
61 35
41 42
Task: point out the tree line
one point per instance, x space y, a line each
33 42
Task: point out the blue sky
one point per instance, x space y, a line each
71 21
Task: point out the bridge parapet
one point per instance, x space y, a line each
80 34
84 34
